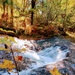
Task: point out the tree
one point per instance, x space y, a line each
4 6
12 12
32 12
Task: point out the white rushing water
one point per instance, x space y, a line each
50 55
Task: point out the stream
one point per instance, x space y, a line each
40 53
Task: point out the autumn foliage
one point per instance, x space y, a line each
55 72
18 58
7 65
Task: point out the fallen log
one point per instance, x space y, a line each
7 28
8 32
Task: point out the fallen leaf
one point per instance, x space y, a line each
18 58
55 72
7 65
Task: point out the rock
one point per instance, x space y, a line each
5 46
2 71
33 73
63 47
46 44
64 71
40 71
68 54
73 66
5 55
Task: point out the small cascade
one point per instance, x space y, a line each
49 55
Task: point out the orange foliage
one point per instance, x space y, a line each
18 58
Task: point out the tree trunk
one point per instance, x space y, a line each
32 12
24 5
6 12
4 7
12 12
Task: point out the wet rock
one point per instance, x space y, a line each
68 54
46 44
5 46
73 66
56 45
41 71
64 71
63 47
5 55
2 71
33 73
38 48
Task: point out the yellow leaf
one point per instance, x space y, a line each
7 65
55 72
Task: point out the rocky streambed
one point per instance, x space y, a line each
31 50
